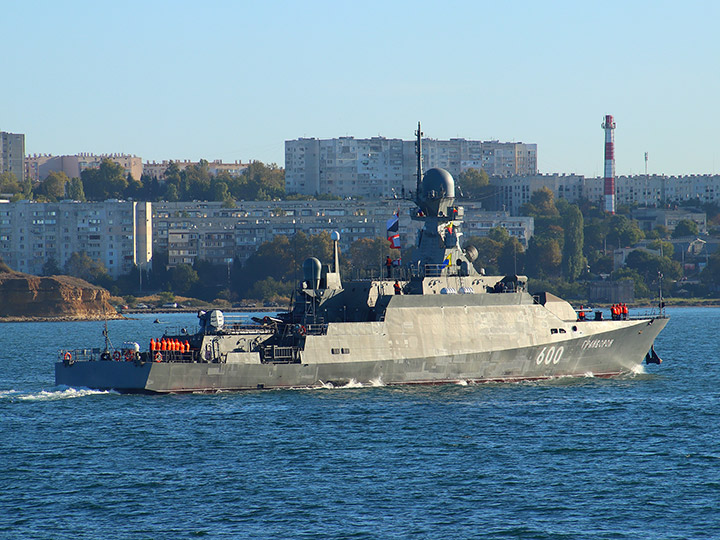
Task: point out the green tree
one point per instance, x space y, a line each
665 248
166 297
544 257
74 190
106 182
82 266
269 289
499 234
172 194
282 259
9 184
182 278
649 266
711 273
53 187
574 262
472 182
369 253
511 259
640 287
542 204
623 232
51 267
685 227
134 189
595 234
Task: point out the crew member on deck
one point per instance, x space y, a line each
388 265
398 289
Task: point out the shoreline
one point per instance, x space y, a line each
122 316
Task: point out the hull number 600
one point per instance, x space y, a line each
551 355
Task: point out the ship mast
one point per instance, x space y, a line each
418 151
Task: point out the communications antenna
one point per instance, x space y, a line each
418 151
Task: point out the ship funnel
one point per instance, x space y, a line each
311 272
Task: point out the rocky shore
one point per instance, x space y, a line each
24 297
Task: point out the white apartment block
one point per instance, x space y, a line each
38 166
344 166
12 154
190 231
115 233
514 191
650 190
380 167
207 230
157 169
479 222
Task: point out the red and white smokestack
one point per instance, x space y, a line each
609 127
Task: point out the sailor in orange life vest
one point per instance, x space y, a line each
581 314
398 289
388 265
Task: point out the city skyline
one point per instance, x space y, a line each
234 82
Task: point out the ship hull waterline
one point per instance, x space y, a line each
606 354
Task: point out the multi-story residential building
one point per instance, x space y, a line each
380 167
479 222
116 233
12 154
38 166
207 230
514 191
157 169
642 190
344 166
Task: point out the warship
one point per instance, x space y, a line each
437 320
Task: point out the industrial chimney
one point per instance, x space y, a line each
609 127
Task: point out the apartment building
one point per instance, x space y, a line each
381 167
208 231
38 166
115 233
643 190
12 154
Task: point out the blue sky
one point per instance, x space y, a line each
234 80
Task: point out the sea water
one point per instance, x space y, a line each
626 458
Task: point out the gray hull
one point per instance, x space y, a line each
393 352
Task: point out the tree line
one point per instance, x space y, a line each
258 182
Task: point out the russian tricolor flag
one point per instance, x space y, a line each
393 234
